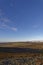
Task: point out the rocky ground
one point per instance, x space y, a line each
30 59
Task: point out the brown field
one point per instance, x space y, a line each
22 58
34 45
4 55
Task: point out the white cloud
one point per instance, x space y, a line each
3 25
14 29
3 18
4 21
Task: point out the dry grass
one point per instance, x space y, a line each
4 55
34 45
37 57
14 57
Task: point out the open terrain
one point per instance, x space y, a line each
34 45
21 59
21 53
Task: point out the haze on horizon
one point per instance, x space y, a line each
21 20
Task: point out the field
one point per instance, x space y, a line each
21 53
34 45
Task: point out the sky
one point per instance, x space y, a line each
21 20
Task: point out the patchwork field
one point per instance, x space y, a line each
27 53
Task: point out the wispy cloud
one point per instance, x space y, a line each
4 26
3 18
14 29
4 21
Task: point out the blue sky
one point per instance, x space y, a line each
21 20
